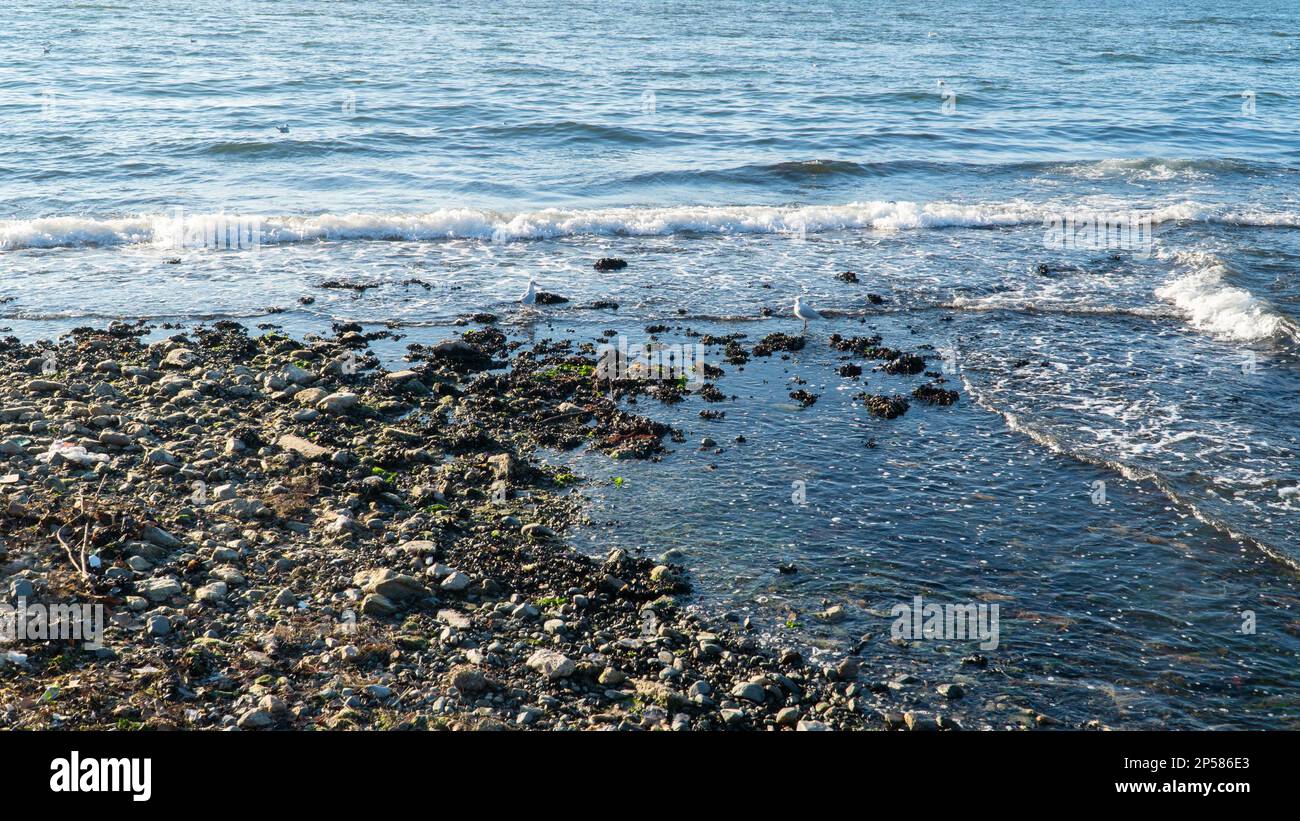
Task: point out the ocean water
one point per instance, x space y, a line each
738 154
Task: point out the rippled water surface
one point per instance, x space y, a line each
738 154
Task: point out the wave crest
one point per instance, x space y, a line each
472 223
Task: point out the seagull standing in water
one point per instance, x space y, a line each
805 312
530 296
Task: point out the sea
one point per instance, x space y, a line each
1085 216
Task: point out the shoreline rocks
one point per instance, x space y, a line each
283 543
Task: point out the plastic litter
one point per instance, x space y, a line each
72 453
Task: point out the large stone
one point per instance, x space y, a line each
303 447
158 625
456 582
420 547
377 605
750 691
309 397
919 722
242 508
341 402
296 375
454 618
468 680
44 386
537 531
213 593
255 719
179 358
160 537
162 457
551 664
158 589
390 584
502 465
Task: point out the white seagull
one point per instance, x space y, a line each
530 296
805 312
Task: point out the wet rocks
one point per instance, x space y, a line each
347 563
905 364
803 397
847 276
459 355
775 342
933 394
610 264
833 615
886 407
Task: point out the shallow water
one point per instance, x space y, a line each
738 155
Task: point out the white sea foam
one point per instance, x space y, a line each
1213 305
460 223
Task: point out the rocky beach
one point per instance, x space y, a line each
284 534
